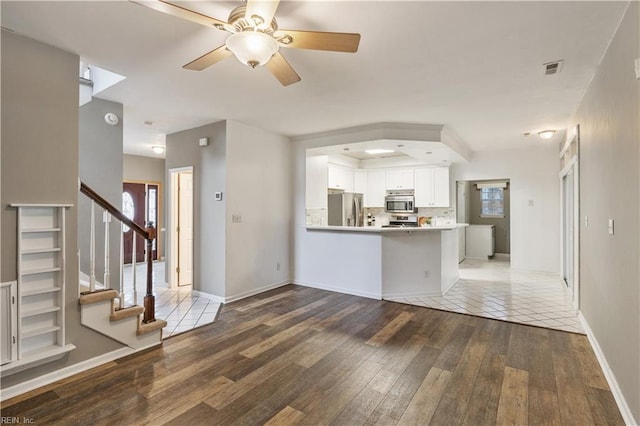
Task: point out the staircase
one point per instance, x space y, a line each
102 307
98 311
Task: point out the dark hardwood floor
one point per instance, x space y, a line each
297 355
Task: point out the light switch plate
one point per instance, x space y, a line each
637 61
611 228
236 218
586 221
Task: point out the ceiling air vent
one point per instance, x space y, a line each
552 67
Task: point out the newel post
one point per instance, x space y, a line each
149 298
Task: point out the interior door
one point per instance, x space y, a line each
185 228
568 234
133 206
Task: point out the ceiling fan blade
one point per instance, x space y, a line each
265 9
281 70
208 59
181 12
335 42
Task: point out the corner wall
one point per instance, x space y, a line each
40 165
259 191
100 167
533 177
609 120
209 216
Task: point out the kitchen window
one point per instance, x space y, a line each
492 199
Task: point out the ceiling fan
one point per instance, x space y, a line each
255 37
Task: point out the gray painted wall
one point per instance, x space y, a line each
146 169
40 165
502 224
209 176
609 176
100 168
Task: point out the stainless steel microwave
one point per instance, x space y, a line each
399 202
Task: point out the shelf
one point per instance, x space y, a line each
35 358
40 291
35 230
40 271
42 250
38 331
39 311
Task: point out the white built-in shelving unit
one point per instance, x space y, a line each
40 285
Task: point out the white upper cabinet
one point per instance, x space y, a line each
340 177
432 187
376 181
360 182
399 179
316 187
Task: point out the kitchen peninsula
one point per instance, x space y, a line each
380 262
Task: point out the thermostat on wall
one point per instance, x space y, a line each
218 196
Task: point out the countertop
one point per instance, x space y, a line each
378 229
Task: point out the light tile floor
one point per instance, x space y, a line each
491 289
182 310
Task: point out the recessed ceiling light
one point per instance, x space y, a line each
346 149
378 151
158 149
546 134
400 146
526 134
428 152
149 123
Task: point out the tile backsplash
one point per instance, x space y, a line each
439 215
317 217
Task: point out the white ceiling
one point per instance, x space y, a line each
475 67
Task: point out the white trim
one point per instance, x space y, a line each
211 297
255 291
68 206
391 296
627 416
506 256
63 373
368 295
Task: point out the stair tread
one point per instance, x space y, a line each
144 328
128 312
97 296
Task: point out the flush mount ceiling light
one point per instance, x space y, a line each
158 149
255 38
546 134
378 151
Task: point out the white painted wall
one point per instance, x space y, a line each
533 173
609 119
258 189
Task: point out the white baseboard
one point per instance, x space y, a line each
253 292
63 373
501 256
342 290
627 416
390 296
211 297
450 285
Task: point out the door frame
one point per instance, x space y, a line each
569 162
172 255
159 244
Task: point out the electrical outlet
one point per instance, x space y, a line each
586 221
278 266
531 203
611 228
426 274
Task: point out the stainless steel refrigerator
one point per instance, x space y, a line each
345 209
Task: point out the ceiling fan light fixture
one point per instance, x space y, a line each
253 48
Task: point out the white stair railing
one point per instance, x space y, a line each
92 249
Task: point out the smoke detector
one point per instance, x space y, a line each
554 67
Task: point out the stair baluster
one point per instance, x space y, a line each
92 249
106 217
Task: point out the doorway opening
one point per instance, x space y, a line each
141 202
181 227
570 216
